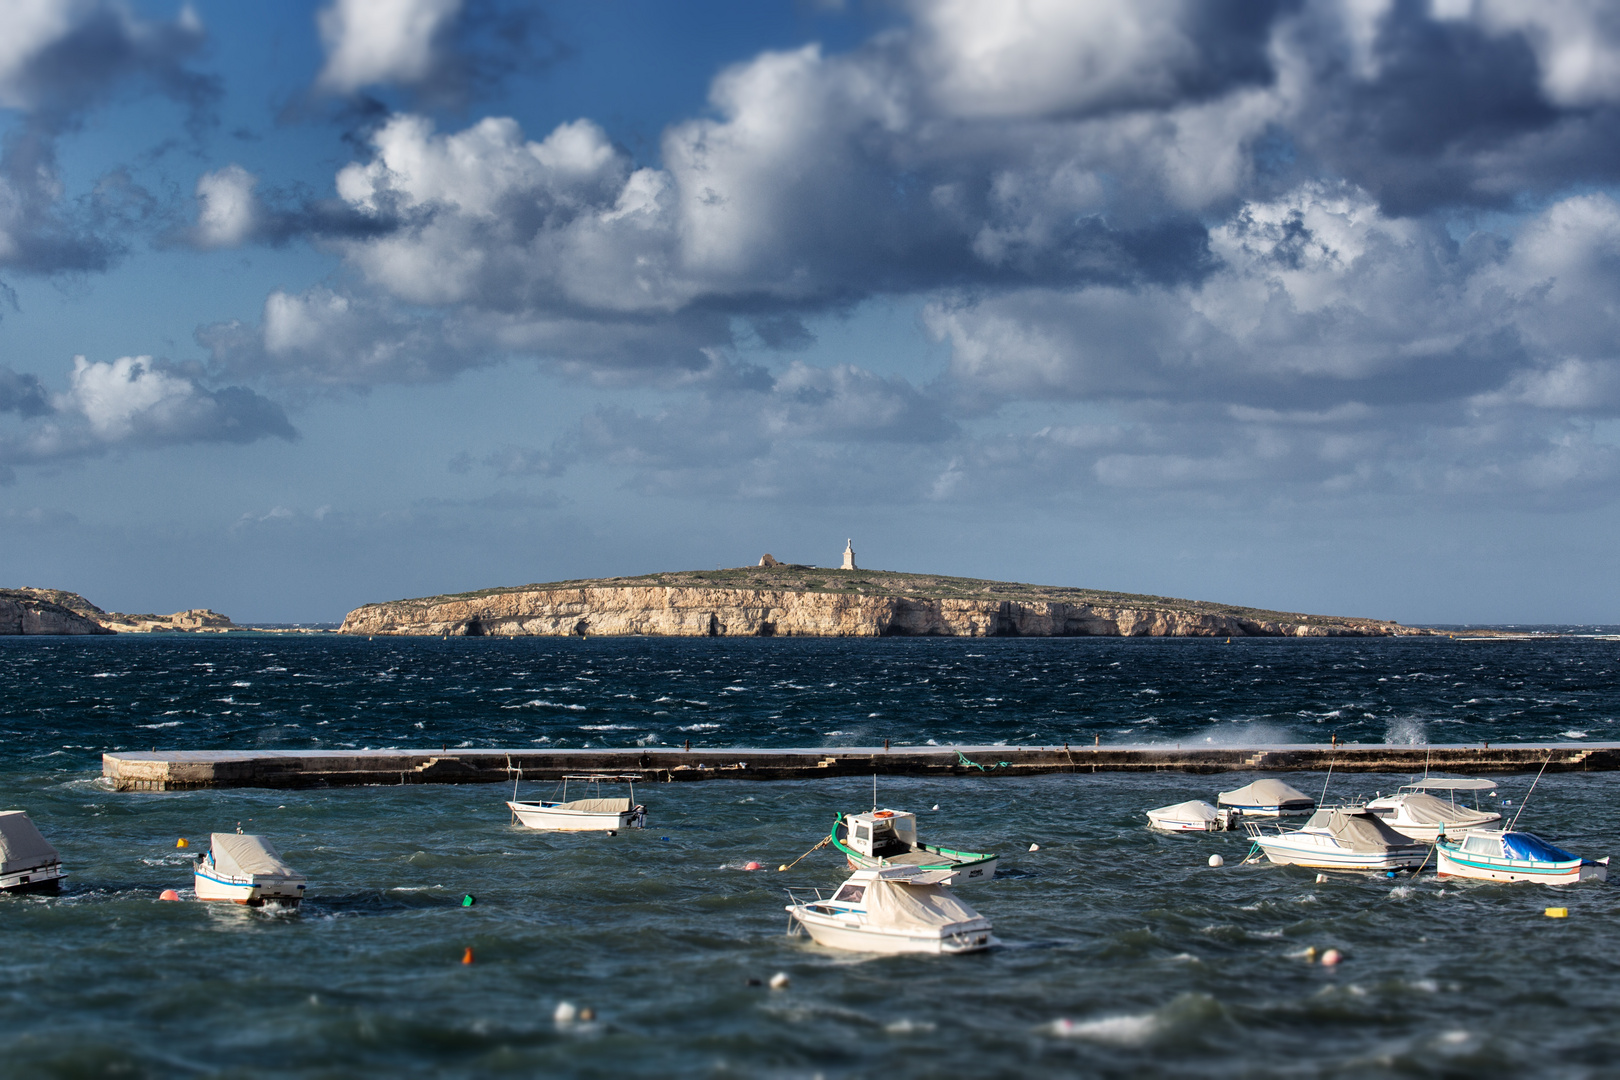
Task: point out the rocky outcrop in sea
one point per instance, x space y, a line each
861 604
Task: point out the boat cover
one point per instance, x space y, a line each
1449 783
1359 829
21 845
598 806
244 855
913 907
1532 848
1432 811
1196 810
1267 793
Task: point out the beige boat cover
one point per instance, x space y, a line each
1358 828
598 806
1196 810
1265 793
1432 811
914 907
243 855
21 845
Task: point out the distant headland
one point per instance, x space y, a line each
775 599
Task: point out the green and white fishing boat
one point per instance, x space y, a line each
883 838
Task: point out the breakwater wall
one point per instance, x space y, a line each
184 770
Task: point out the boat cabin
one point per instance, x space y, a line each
882 834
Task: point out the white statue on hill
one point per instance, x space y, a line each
849 555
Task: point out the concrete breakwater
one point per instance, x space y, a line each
183 770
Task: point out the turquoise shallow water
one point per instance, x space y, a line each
1124 953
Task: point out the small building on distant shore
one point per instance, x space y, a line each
849 556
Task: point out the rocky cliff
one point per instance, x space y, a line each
57 611
22 612
749 602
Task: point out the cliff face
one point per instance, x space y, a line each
22 612
697 612
25 611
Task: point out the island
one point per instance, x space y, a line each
777 599
57 611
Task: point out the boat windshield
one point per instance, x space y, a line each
851 894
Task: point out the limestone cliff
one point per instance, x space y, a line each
799 601
21 612
63 611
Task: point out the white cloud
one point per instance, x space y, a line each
369 42
228 212
1576 42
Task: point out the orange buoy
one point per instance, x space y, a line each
752 866
466 957
168 894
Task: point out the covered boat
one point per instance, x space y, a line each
594 814
1267 798
1194 816
893 909
1339 838
1413 812
28 862
247 869
1497 855
889 838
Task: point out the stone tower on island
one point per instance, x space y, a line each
849 556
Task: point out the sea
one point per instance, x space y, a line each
438 939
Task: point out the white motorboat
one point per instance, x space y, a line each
1501 855
594 814
1267 798
889 838
1194 816
247 869
28 862
1339 838
1413 812
893 909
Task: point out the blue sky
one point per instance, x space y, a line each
1309 305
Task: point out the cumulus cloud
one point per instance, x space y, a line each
57 60
1247 229
228 212
133 401
442 49
381 41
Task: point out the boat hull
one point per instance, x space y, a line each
534 815
252 892
835 932
47 878
1174 825
1494 868
1322 858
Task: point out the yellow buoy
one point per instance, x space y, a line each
1558 913
181 842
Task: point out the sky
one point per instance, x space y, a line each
1305 305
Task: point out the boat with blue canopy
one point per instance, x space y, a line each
1498 855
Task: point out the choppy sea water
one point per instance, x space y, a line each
1124 954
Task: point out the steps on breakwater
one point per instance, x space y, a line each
184 770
